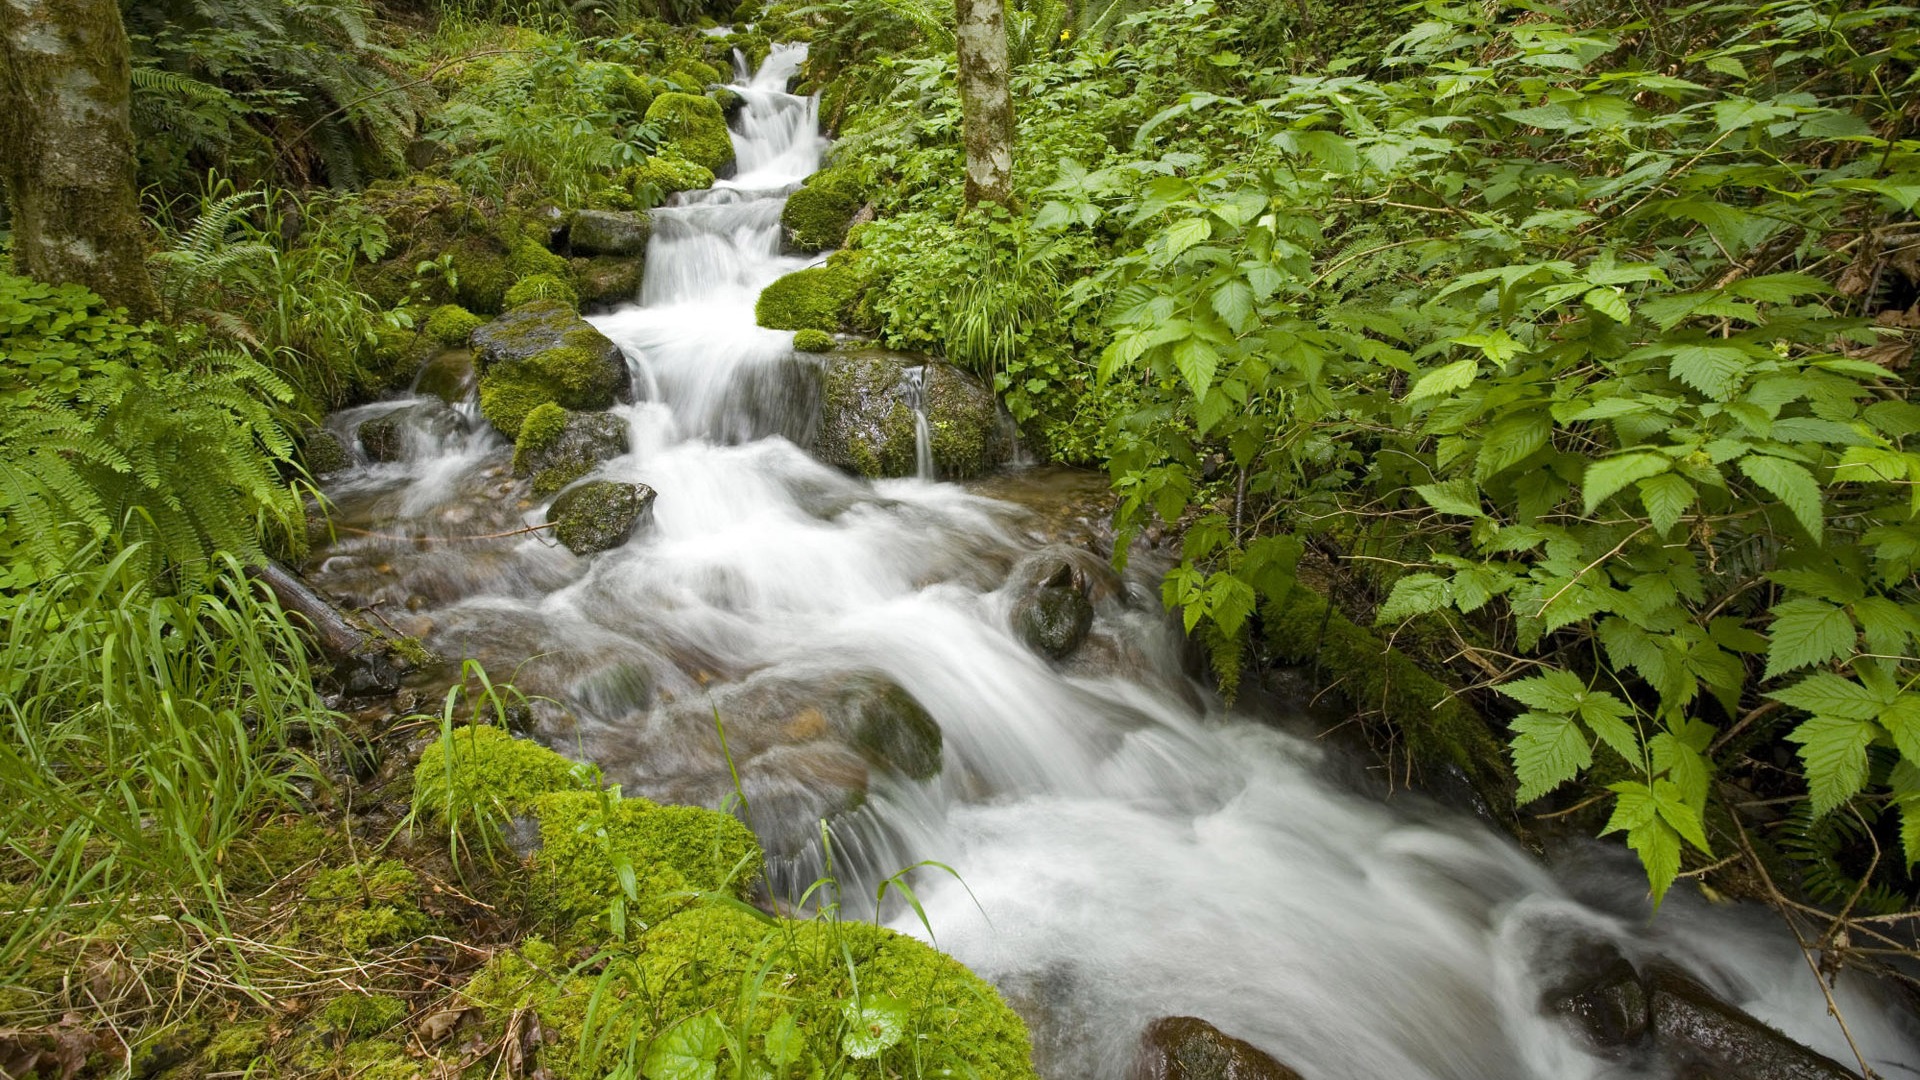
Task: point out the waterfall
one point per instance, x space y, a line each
1129 847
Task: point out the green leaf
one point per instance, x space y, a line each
1185 233
1638 814
1686 820
1197 362
1608 475
1827 694
1683 765
1714 370
784 1043
1666 498
1415 594
874 1024
1901 718
1556 691
1606 716
689 1051
1792 484
1444 380
1460 497
1743 112
1905 782
1547 752
1610 302
1233 302
1806 632
1834 752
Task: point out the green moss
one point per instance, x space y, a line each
372 904
816 217
538 431
661 175
481 274
813 341
379 880
159 1051
1436 727
542 287
612 198
506 400
570 376
695 128
693 76
485 773
812 299
450 324
671 849
528 257
412 654
279 848
235 1046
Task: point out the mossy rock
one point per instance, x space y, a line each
385 437
543 352
661 175
1435 728
449 376
598 516
815 341
482 773
694 963
817 216
608 232
543 287
323 453
892 729
450 324
428 220
672 850
1053 620
731 101
693 76
607 280
867 424
817 298
557 447
695 129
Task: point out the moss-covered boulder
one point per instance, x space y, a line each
695 129
598 516
817 216
557 447
472 254
814 341
609 232
451 324
731 101
387 437
817 298
541 353
662 175
322 452
606 280
867 422
672 850
543 287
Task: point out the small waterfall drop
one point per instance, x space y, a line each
1129 848
916 380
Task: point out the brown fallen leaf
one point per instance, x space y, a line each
437 1026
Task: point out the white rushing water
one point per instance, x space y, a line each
1134 851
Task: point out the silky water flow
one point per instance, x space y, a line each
1129 849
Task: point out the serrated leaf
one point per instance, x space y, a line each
1185 233
1807 632
1667 497
1714 370
1610 474
1610 302
1683 818
1834 753
1792 484
784 1043
1197 362
1827 694
1547 752
1606 716
1233 302
1555 692
1905 783
1637 814
1415 594
1683 764
1901 718
1460 497
1444 380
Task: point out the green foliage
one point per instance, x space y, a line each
693 129
1560 293
816 216
149 435
662 175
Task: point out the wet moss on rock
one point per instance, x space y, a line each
662 175
543 352
813 341
557 447
451 324
817 298
695 129
483 773
598 516
672 851
867 424
817 216
542 287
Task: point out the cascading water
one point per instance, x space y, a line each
1134 850
916 380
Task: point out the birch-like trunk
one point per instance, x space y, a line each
66 148
986 99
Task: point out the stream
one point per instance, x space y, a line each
1129 848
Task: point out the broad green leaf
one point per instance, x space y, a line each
1834 752
689 1051
1683 764
1743 112
1684 819
1415 594
1902 721
1444 380
1556 691
1905 782
1714 370
1827 694
1185 233
1610 302
1792 484
1233 302
1610 474
1606 716
1666 498
1197 362
784 1043
1460 497
1807 632
1637 814
874 1024
1547 752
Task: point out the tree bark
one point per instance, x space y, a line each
986 99
66 148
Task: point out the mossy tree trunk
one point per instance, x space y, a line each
986 99
66 148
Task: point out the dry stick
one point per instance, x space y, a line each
1782 905
443 539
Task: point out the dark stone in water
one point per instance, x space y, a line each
1189 1048
1610 1006
448 376
384 438
609 232
1053 621
599 515
867 423
587 440
895 731
323 451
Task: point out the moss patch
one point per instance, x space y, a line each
542 287
451 324
813 341
484 773
661 175
696 130
816 217
672 850
817 298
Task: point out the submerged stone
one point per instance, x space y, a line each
1189 1048
867 422
1053 621
598 516
384 437
448 376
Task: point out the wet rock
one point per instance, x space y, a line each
1607 1003
543 352
609 232
1713 1039
606 280
384 438
368 676
600 515
893 730
867 416
1053 621
323 452
556 458
448 376
1189 1048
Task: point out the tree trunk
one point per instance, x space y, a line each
986 99
66 148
